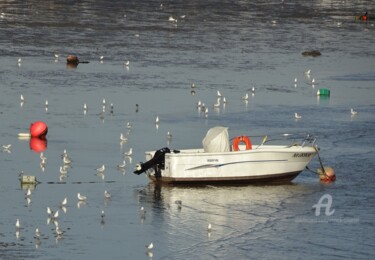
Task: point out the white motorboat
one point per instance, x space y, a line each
220 161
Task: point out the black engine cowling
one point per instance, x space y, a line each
157 162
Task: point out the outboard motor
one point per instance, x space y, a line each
157 162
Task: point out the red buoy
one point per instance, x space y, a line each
38 129
328 175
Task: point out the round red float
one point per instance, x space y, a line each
38 129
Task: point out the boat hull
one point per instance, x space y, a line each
263 164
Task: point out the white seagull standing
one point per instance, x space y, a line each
296 116
353 112
123 138
81 197
150 246
107 195
101 169
157 120
64 202
130 153
18 226
246 97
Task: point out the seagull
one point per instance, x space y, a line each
102 215
217 104
63 170
28 193
81 197
103 102
171 19
6 147
128 125
64 153
307 72
209 227
224 100
37 233
193 85
46 103
85 107
353 112
64 202
101 169
49 212
42 157
56 215
143 212
218 94
18 226
19 60
296 116
253 89
129 153
157 120
22 99
246 97
123 138
206 112
150 246
126 63
107 195
295 80
101 57
66 160
122 165
169 135
59 232
57 55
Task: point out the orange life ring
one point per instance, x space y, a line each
244 139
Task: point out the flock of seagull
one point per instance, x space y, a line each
66 160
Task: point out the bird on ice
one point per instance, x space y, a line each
81 197
297 116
